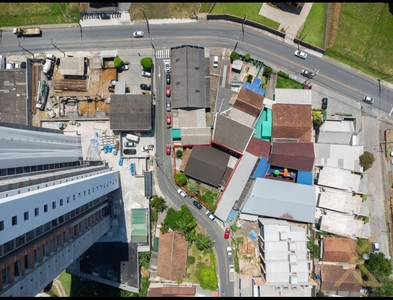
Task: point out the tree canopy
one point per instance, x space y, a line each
147 63
181 220
379 266
180 178
118 62
366 160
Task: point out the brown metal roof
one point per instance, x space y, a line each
336 278
298 156
249 102
258 147
292 121
207 164
172 291
131 113
172 256
339 250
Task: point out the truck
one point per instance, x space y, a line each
132 138
31 31
47 69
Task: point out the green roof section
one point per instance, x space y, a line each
176 134
263 128
139 225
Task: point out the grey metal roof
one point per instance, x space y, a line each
338 126
334 137
237 65
235 187
191 117
196 136
341 224
339 179
338 156
293 96
231 134
283 200
120 88
242 117
73 66
340 201
223 97
131 113
188 65
148 184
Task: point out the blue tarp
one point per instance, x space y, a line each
261 169
255 86
305 177
253 235
232 216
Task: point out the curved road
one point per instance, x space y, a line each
266 47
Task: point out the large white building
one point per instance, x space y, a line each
53 206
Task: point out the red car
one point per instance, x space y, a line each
168 149
168 90
226 234
168 119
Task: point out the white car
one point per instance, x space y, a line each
300 54
138 34
181 193
368 99
375 247
229 251
210 215
167 67
231 268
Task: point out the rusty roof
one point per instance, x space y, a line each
172 256
298 156
292 121
258 147
172 291
336 278
249 102
339 250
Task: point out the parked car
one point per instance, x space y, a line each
120 161
146 87
138 34
375 246
324 103
129 151
168 149
308 74
167 67
146 74
226 233
231 268
125 67
168 105
168 78
197 204
368 99
168 90
300 54
181 193
168 119
23 65
147 148
229 251
210 215
129 144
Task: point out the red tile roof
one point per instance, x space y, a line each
258 147
249 102
339 250
336 278
172 291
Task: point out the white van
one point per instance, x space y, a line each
215 61
132 138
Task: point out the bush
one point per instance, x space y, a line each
180 178
147 63
247 57
314 249
283 74
234 56
249 78
179 153
366 160
267 71
190 260
118 62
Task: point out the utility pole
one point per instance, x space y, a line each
147 21
54 45
80 26
379 83
26 50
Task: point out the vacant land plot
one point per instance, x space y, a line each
163 10
314 28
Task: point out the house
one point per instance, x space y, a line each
339 250
165 290
341 179
249 102
298 156
292 96
340 281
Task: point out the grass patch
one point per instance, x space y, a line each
162 10
26 14
205 7
314 27
363 246
288 83
241 9
65 280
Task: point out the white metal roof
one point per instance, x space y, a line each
339 179
293 96
196 136
340 201
338 126
340 224
335 137
191 118
242 117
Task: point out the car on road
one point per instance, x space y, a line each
324 103
168 105
231 268
168 119
226 233
197 204
146 74
300 54
167 67
368 99
146 87
375 246
129 151
120 161
308 74
168 149
168 78
138 34
229 251
129 144
181 193
210 215
168 90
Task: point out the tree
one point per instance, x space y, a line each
118 62
267 71
366 160
180 178
384 290
179 153
317 119
234 56
158 203
147 63
193 188
379 266
249 78
247 57
208 279
203 242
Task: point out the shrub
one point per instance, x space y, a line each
118 62
267 71
249 78
247 57
366 160
190 260
283 74
180 178
234 56
179 153
147 63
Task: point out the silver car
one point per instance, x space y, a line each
168 105
368 99
138 34
300 54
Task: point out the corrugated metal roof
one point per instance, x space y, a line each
235 186
73 66
330 137
196 136
293 96
341 224
242 117
338 126
191 118
295 202
340 201
339 179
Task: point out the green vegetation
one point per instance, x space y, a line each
287 83
119 63
147 63
234 56
190 260
384 290
317 118
180 178
157 205
208 196
314 249
314 27
379 266
181 220
203 242
366 160
241 9
363 246
144 259
205 7
267 71
179 153
163 10
207 274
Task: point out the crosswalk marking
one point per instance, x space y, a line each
163 53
